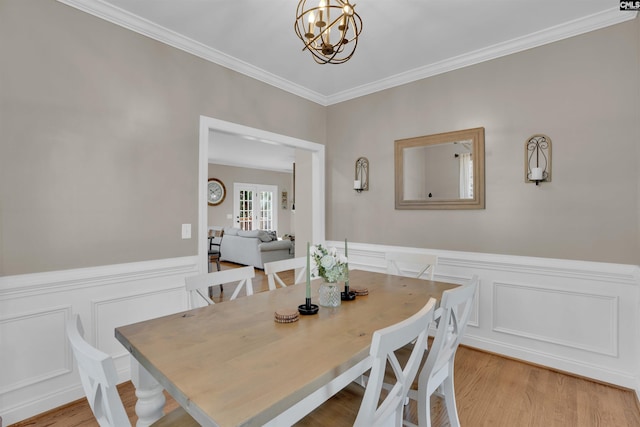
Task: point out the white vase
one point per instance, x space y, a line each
329 294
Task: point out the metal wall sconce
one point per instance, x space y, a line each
537 159
361 182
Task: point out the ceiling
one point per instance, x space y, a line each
243 151
401 41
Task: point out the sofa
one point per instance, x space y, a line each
253 247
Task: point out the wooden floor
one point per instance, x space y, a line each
491 391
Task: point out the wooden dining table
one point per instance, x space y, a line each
230 364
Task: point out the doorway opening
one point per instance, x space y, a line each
309 226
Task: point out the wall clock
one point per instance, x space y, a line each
215 192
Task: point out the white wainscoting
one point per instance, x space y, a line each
37 371
578 317
574 316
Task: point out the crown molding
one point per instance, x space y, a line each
124 19
147 28
553 34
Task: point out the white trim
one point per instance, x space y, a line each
208 124
559 32
38 404
134 23
608 317
67 367
617 285
97 318
624 274
127 20
34 284
85 289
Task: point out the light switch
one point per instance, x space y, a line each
229 216
186 231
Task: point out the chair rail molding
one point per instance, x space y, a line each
604 300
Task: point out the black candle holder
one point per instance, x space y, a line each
307 308
347 295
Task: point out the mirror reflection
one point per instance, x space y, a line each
442 171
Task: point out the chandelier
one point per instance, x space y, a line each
329 31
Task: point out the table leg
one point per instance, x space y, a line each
150 404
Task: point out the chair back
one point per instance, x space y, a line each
99 378
271 269
198 286
455 309
215 240
385 342
416 265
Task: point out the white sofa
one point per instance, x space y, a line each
253 247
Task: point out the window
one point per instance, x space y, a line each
254 207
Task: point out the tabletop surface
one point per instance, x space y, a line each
232 364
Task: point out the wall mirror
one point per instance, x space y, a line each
441 171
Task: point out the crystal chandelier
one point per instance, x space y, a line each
329 31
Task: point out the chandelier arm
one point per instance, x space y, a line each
321 32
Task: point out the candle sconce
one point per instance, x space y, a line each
361 182
537 159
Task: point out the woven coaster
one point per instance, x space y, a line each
360 291
286 316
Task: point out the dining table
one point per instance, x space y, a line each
231 364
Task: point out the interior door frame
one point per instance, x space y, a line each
208 124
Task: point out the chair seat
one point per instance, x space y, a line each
176 418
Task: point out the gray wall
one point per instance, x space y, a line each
99 126
582 92
99 148
217 215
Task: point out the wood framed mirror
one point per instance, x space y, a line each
441 171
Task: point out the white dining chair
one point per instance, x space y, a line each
198 286
416 265
99 379
436 375
271 269
378 409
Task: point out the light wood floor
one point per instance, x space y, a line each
491 391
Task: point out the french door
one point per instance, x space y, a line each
254 206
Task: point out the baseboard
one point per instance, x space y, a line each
32 408
549 361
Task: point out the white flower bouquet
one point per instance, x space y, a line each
328 264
